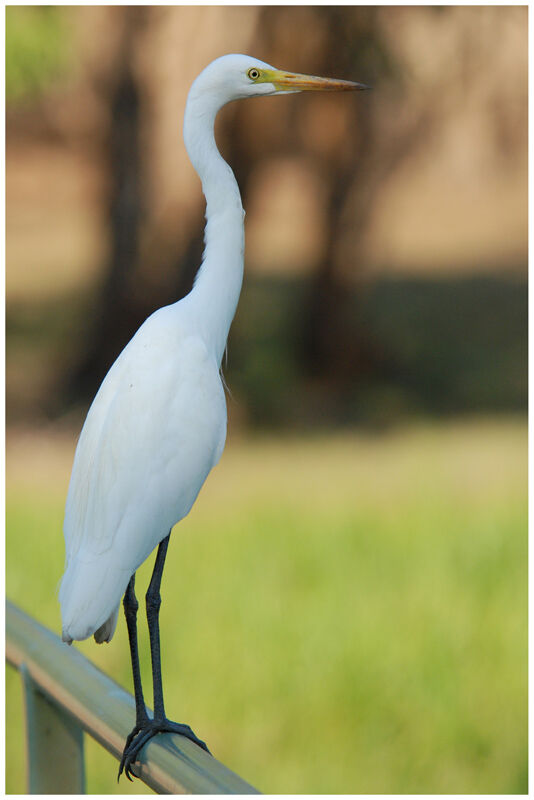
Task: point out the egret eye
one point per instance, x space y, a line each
253 74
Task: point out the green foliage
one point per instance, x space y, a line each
340 615
37 50
441 346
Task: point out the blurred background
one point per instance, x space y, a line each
347 607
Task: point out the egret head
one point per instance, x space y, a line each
234 77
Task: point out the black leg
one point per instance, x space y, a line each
130 612
153 603
131 605
145 727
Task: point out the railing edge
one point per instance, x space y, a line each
169 764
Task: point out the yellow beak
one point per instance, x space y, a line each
293 82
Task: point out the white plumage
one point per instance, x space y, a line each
143 455
158 422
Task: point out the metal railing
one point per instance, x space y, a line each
66 695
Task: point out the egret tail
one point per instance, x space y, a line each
90 596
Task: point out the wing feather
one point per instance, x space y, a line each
152 434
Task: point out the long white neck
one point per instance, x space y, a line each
215 294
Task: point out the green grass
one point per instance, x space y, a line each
342 614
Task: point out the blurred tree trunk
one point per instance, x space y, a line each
329 348
334 344
118 312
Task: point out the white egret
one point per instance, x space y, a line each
158 422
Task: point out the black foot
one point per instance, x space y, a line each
142 734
